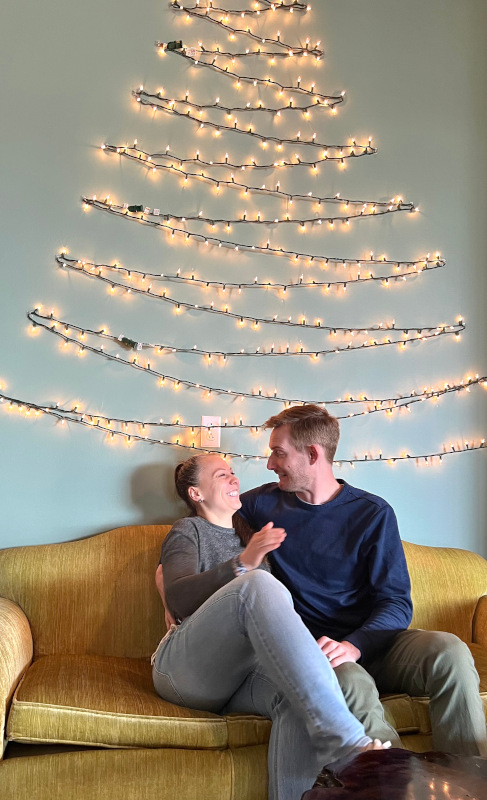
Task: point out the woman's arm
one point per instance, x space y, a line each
185 587
168 617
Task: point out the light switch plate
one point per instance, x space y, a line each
210 431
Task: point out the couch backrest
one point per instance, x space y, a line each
446 585
98 596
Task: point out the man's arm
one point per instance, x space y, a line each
390 588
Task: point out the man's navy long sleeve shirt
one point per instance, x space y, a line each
342 561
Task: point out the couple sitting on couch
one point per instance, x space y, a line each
336 556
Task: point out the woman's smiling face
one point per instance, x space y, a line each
218 487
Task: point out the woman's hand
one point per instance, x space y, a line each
168 617
261 543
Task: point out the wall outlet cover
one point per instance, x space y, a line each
210 431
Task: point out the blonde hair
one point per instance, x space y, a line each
309 424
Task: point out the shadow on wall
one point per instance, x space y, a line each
152 492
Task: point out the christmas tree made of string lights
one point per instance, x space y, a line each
270 105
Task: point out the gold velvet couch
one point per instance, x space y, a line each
78 624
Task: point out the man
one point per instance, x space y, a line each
344 565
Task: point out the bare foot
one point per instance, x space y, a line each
327 777
376 744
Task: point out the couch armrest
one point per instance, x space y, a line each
16 650
479 624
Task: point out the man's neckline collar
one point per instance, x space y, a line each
333 497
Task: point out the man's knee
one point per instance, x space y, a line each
446 652
435 643
355 681
362 698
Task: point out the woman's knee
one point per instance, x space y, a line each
263 583
259 578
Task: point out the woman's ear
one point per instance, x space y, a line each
195 494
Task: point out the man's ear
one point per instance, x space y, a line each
312 454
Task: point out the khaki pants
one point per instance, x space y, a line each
422 664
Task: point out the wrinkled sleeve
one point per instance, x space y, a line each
186 588
247 512
389 584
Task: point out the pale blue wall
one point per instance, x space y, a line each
415 75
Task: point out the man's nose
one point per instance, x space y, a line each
270 463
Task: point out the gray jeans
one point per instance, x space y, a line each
246 650
422 664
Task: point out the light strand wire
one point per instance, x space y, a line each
409 269
150 162
50 323
155 104
204 14
142 214
64 415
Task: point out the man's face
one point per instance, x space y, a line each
290 465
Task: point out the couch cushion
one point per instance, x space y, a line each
110 702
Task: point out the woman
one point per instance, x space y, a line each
239 646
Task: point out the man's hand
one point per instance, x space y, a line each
338 652
168 617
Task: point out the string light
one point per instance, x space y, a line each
78 418
409 334
223 22
360 208
252 164
133 430
402 270
218 53
230 110
260 7
150 162
157 104
190 54
245 219
142 214
420 396
50 323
